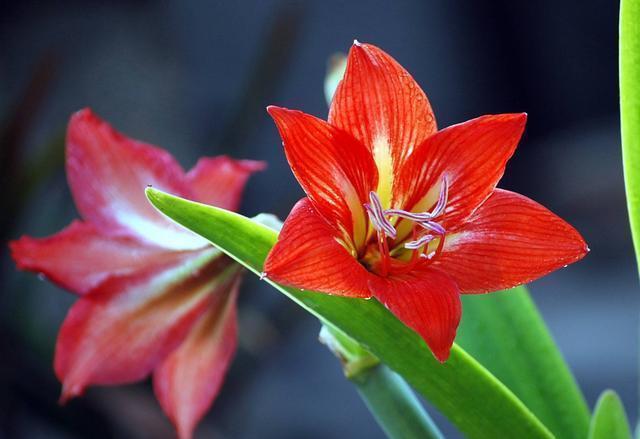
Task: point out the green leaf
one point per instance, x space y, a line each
464 391
609 419
629 59
630 111
505 332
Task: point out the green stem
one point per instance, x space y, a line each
394 405
387 396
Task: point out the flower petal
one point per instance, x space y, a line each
471 156
219 181
308 256
333 168
119 332
79 257
381 105
510 240
427 302
108 173
189 379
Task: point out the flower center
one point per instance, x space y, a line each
425 230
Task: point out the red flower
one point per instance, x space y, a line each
155 298
398 210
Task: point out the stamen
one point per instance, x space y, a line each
442 198
415 255
424 216
415 245
373 217
383 248
377 216
433 226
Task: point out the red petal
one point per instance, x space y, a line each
378 101
334 169
78 258
108 173
308 256
472 155
119 332
219 181
189 379
427 302
510 240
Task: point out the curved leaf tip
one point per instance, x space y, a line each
609 418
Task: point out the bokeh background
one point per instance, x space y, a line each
195 76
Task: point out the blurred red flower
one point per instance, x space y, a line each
398 210
154 297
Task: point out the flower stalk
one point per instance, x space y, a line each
387 396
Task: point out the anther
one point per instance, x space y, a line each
442 198
414 245
433 226
377 216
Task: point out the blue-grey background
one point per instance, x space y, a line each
195 76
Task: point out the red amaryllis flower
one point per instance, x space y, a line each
155 298
400 211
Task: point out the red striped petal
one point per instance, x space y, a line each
510 240
189 379
119 332
219 181
108 173
308 256
379 103
79 258
334 169
427 302
471 155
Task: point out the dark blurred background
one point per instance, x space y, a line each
195 76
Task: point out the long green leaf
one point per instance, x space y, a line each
464 391
609 419
505 332
630 111
629 59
